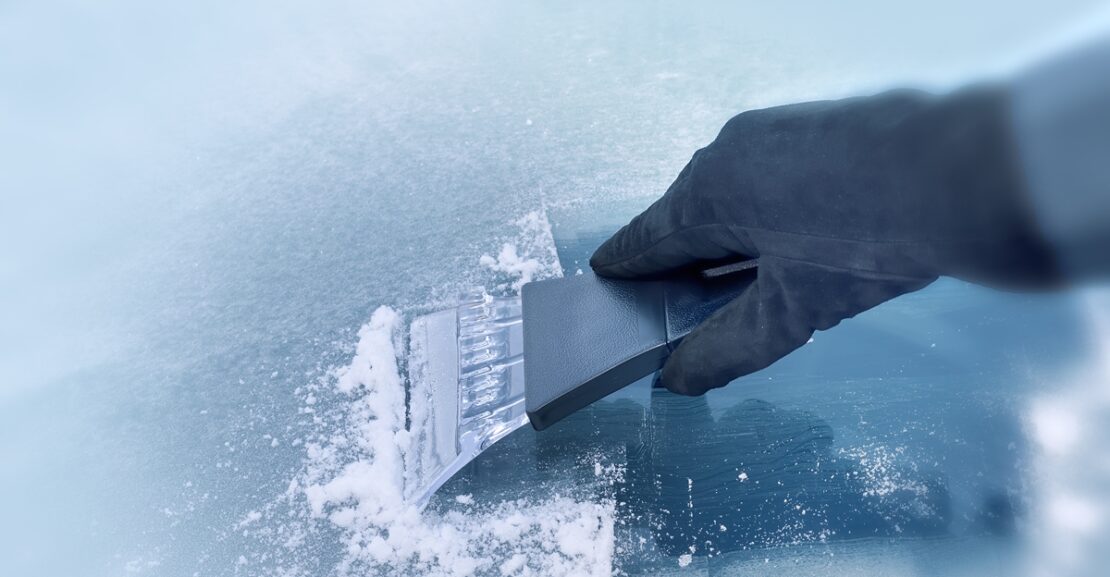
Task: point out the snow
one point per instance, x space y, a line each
880 471
511 263
249 518
529 257
514 564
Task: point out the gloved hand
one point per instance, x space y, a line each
845 204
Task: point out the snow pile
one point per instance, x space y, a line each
531 256
353 482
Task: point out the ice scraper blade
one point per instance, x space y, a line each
466 388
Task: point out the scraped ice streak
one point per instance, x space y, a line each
530 257
353 479
1071 430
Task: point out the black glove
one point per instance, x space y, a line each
845 204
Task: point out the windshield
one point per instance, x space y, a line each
220 220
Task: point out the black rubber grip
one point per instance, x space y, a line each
586 337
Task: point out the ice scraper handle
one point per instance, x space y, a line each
586 337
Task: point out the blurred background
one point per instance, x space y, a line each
201 204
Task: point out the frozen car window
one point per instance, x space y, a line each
217 220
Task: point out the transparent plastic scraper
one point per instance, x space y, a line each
466 387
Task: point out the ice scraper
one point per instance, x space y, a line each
492 364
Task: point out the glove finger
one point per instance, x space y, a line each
775 315
676 232
749 333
